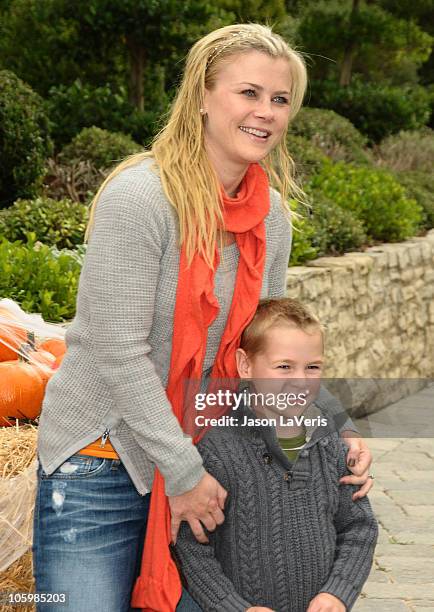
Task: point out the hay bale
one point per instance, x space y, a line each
17 449
17 488
18 578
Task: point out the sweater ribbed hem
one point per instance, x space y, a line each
341 589
190 474
233 603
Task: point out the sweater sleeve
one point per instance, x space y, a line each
201 569
121 272
333 408
357 533
279 265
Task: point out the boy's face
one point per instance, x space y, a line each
290 362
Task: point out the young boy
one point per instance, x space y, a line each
292 540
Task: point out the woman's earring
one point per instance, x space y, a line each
202 111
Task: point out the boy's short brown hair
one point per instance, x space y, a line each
274 311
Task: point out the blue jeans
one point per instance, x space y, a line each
89 528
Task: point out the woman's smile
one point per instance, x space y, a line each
256 133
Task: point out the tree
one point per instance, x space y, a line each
45 45
350 47
148 31
24 139
361 36
259 11
422 12
100 41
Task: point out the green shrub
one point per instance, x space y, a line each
77 254
307 157
407 151
374 196
74 107
420 187
336 230
377 110
77 181
55 222
430 90
303 234
24 139
325 229
334 135
39 280
100 147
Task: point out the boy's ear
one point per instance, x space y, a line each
243 364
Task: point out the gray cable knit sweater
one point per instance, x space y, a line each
116 367
290 530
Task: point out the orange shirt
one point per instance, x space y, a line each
94 449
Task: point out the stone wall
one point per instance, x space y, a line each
378 307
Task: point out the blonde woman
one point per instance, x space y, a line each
184 240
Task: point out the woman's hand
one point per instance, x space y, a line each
324 602
203 504
359 459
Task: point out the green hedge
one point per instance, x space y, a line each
324 229
303 236
24 139
74 107
420 187
334 135
39 279
375 109
336 230
374 196
308 158
101 147
407 151
55 222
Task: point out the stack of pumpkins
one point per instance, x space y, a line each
26 365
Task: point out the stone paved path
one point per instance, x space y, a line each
402 578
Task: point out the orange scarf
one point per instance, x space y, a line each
158 588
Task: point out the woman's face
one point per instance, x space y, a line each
247 109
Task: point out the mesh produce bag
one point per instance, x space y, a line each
30 352
18 466
17 498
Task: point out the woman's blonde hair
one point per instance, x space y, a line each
188 178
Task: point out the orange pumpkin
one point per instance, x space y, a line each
58 362
12 335
43 361
55 346
21 391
